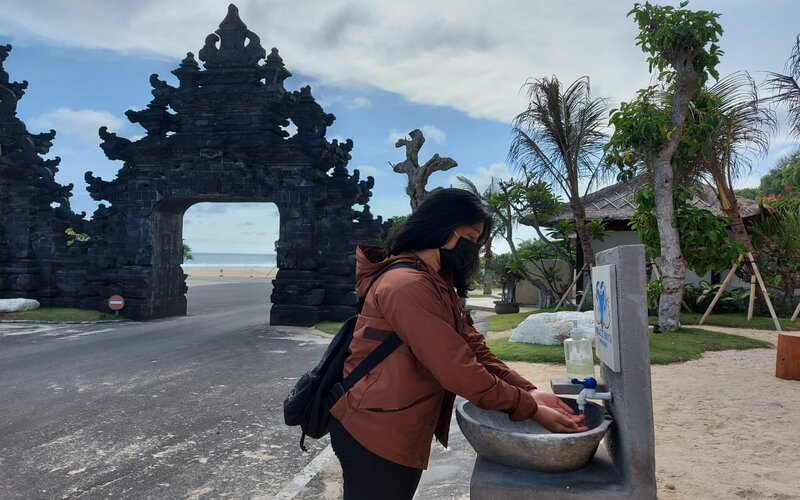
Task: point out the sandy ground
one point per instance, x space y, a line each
231 272
725 426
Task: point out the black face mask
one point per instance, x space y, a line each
462 255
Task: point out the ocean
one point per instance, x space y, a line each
223 260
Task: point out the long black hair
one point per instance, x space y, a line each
433 223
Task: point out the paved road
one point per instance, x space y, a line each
187 407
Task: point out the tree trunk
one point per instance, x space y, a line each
730 206
673 268
738 230
487 277
587 249
579 213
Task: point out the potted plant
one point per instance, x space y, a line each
512 274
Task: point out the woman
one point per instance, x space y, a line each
382 428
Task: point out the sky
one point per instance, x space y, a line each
453 69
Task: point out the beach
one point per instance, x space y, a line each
230 272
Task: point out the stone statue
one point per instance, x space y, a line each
418 176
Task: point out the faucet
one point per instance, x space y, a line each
589 392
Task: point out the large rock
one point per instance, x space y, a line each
553 328
16 305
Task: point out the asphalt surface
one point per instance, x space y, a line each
188 407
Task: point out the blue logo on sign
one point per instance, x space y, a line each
602 306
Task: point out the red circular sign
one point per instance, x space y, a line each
116 302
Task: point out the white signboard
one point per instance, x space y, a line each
604 291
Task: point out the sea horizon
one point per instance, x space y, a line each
222 260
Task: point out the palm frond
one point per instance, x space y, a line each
560 136
785 88
743 133
469 185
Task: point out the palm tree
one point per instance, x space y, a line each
742 135
786 89
560 139
501 200
502 224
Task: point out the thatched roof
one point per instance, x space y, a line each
615 204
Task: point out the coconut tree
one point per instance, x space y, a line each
786 89
741 135
560 139
502 224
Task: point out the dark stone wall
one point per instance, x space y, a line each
220 136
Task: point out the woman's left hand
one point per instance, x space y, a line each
544 398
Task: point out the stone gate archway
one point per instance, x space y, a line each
222 135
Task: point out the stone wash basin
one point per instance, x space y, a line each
528 445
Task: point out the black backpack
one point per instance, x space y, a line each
310 402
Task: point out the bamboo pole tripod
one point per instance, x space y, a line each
755 277
569 289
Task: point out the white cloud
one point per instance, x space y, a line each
473 59
394 136
81 123
360 102
747 182
367 170
432 133
390 206
231 227
464 54
483 176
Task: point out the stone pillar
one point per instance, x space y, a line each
631 442
297 291
625 468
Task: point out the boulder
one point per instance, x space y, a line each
16 305
553 328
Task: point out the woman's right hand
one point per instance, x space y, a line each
554 421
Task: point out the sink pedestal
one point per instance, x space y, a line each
598 480
624 465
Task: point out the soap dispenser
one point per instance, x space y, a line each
578 354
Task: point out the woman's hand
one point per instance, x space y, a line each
544 398
554 421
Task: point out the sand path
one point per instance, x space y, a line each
725 426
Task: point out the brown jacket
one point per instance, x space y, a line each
397 407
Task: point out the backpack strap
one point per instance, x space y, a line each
377 355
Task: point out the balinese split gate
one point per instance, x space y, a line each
229 132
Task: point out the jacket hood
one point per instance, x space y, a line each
370 261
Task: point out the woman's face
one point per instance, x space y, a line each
472 232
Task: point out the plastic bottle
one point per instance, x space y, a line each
578 354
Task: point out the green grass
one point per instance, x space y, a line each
521 351
735 320
329 327
503 322
674 347
59 314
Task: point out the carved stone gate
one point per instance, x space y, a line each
229 132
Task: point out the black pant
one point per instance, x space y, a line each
368 476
